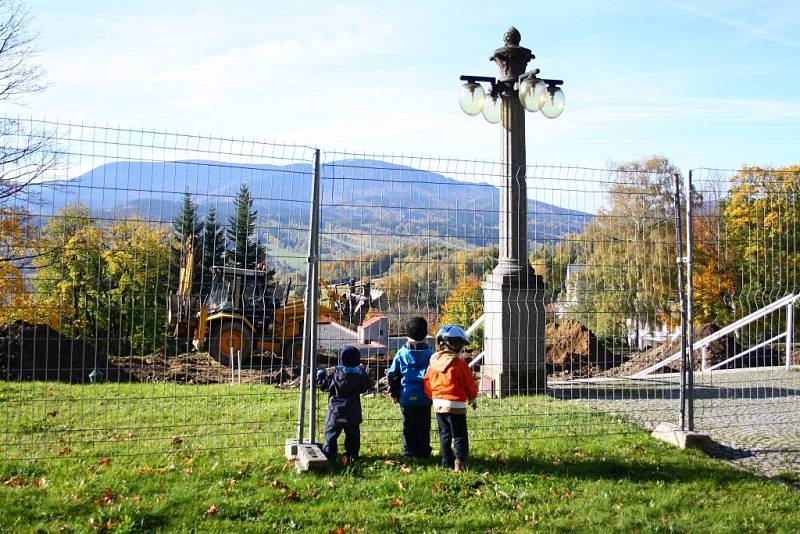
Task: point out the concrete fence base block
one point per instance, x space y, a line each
680 438
290 449
310 458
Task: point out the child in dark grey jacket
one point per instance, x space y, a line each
345 384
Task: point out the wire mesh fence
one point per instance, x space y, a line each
109 251
154 290
745 285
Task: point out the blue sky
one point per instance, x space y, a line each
710 83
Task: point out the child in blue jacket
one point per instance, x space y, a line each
405 386
345 385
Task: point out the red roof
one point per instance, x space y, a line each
373 321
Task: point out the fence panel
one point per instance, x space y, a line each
405 236
99 225
745 285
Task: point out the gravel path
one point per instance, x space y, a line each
752 415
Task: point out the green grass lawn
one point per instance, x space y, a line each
164 457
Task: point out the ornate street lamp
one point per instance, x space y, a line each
534 93
513 295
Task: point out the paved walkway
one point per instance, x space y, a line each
753 416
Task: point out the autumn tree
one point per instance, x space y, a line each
17 233
110 279
760 218
714 277
630 251
137 259
73 273
464 305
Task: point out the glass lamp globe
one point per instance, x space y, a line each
553 104
491 109
532 93
472 98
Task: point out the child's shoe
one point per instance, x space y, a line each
459 466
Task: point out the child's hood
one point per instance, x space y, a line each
413 350
441 361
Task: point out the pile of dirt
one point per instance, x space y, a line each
716 352
573 351
201 368
37 352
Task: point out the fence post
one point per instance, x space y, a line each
309 315
789 333
680 261
689 309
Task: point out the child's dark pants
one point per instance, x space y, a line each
452 430
416 431
352 440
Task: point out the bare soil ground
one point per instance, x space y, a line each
573 351
36 352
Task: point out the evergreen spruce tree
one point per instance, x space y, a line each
213 249
186 229
246 251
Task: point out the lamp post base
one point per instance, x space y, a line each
514 333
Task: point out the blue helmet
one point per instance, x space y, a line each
452 331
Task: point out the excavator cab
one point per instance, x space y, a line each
245 310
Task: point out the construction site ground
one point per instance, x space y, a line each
36 352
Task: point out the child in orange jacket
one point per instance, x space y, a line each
450 385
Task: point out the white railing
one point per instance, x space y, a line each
788 301
474 326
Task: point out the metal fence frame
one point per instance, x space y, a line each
333 175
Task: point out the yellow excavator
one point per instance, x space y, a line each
243 311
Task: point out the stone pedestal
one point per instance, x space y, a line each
514 334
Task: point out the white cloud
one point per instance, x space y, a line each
758 31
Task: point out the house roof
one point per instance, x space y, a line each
373 321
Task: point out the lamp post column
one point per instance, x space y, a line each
513 294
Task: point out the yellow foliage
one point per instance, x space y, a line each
16 301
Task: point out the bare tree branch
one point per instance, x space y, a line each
26 153
18 76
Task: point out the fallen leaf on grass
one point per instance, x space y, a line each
106 499
330 484
396 502
212 510
664 520
39 483
105 461
391 462
405 469
279 484
14 482
155 470
293 496
64 451
504 495
401 485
